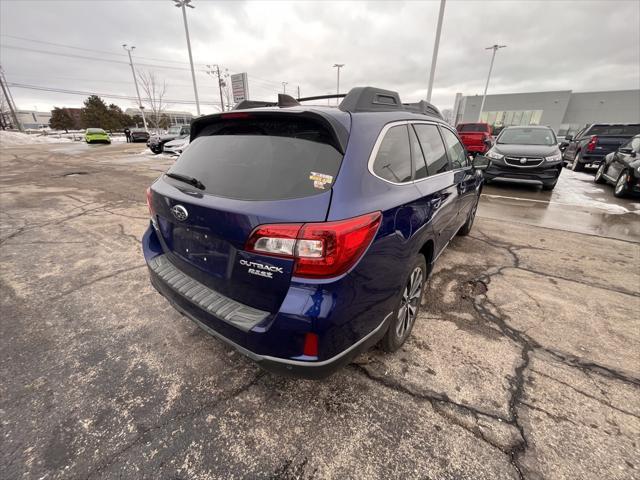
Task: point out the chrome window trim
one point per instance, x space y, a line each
383 132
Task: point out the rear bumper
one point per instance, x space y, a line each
545 175
477 148
254 333
280 366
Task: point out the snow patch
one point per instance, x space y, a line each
8 139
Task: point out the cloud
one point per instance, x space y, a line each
560 45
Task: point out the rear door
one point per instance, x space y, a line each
464 174
253 171
439 187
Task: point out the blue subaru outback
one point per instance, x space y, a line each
303 235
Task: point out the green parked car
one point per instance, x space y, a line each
96 135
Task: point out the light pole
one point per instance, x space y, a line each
183 4
436 45
338 66
284 87
135 82
217 72
493 56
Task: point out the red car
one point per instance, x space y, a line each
475 136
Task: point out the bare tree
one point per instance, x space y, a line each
154 95
5 115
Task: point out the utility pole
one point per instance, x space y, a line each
284 87
183 4
436 46
7 95
135 82
217 72
338 66
486 86
298 91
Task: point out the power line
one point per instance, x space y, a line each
106 95
91 50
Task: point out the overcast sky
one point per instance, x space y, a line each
552 45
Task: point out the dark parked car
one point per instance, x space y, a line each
156 143
525 155
302 235
476 137
591 144
622 169
139 135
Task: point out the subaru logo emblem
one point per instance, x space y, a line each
523 160
179 212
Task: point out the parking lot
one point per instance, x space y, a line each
524 362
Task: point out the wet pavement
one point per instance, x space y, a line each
577 204
523 363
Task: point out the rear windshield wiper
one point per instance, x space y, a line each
186 179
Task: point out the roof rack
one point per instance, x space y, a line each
359 99
372 99
423 107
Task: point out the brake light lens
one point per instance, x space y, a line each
591 146
150 202
310 348
320 250
236 115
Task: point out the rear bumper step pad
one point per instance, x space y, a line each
235 313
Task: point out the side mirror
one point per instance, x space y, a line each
481 162
568 138
488 142
627 151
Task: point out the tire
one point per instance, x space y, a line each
576 166
550 187
621 188
408 306
157 150
599 174
466 228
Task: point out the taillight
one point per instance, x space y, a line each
591 146
150 202
320 250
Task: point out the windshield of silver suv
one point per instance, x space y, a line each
527 136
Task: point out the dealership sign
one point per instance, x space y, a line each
240 87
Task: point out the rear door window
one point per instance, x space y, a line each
393 160
433 148
472 127
614 130
265 158
455 150
419 164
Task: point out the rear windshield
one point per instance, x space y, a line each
472 127
527 136
612 130
95 130
261 159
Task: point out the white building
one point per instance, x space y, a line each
32 119
175 117
564 111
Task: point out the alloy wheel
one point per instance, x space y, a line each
600 172
410 302
622 182
574 165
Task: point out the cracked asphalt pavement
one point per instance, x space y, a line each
524 363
